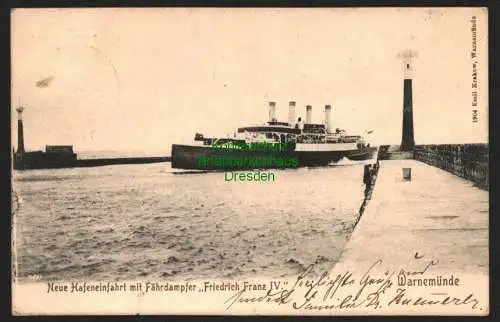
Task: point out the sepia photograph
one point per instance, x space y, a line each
250 161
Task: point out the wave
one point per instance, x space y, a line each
188 171
50 177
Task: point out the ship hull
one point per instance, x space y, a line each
188 157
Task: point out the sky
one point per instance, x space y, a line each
143 79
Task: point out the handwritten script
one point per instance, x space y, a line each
369 290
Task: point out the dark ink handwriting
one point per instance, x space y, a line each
402 298
343 291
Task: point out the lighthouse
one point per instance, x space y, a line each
20 131
407 137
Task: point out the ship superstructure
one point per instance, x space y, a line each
312 144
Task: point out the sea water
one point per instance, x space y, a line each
150 221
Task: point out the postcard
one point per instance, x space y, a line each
250 161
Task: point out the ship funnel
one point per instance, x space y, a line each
308 114
291 113
272 111
328 121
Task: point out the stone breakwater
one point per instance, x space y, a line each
469 161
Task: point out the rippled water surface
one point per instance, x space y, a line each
149 221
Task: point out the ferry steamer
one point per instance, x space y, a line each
310 144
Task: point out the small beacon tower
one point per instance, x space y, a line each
20 131
407 138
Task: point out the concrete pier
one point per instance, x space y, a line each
38 160
435 224
436 214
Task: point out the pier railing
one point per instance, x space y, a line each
469 161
